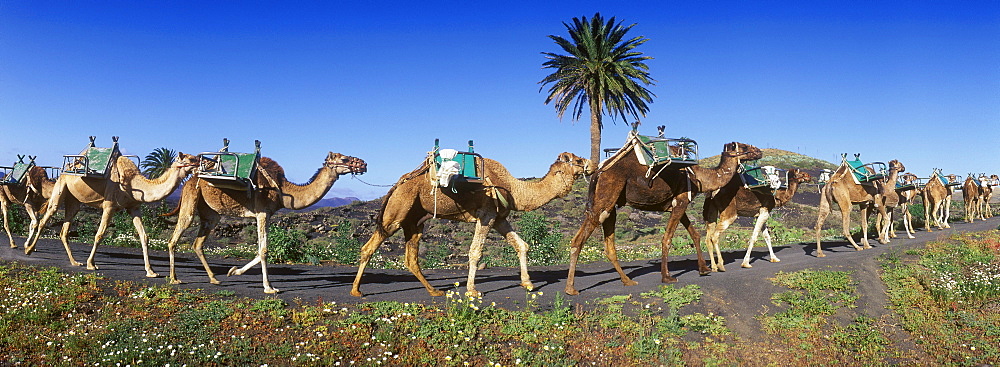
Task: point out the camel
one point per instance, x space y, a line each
271 192
987 193
905 198
622 180
937 196
735 199
34 194
124 188
886 202
415 198
844 189
971 195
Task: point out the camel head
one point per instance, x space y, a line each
742 151
801 176
908 177
580 166
897 166
186 162
345 164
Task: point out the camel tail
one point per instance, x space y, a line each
174 212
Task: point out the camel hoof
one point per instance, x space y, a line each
911 236
13 246
571 291
174 281
214 281
746 265
435 293
271 290
775 260
76 263
91 267
668 279
150 274
629 282
528 285
232 271
820 255
472 293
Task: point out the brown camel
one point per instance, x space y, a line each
971 195
736 200
937 196
33 193
845 189
416 198
622 180
906 196
270 192
125 188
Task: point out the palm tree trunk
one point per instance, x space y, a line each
595 130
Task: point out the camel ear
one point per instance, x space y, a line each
564 157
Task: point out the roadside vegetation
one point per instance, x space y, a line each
946 300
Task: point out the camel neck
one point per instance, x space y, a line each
294 196
530 195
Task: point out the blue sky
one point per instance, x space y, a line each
914 81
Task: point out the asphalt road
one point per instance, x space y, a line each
738 294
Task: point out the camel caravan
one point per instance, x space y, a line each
648 173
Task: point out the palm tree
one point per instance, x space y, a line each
601 71
157 162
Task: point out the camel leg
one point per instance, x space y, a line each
821 214
55 200
762 216
590 222
667 242
696 239
261 255
865 212
928 210
845 213
183 222
610 249
504 228
140 230
378 236
413 232
766 232
908 221
6 221
483 225
711 242
947 211
102 229
209 219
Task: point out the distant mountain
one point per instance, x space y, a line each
333 202
782 159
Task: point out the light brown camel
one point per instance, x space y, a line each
937 200
971 195
415 199
33 194
621 180
125 188
845 190
736 200
905 199
987 194
886 202
272 192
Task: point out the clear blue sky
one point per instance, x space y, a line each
909 80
